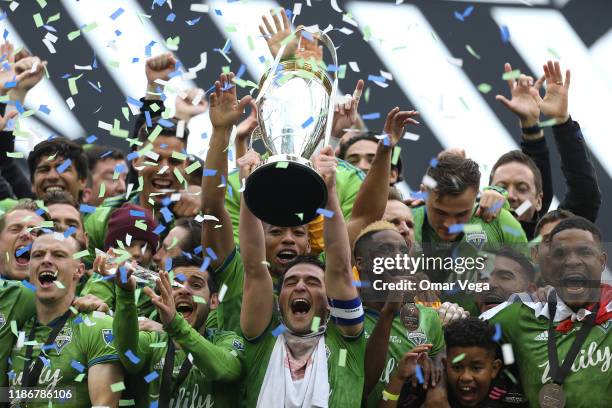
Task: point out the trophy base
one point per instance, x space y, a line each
285 191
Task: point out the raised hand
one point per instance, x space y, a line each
104 268
308 48
406 367
90 303
29 71
5 119
248 163
490 205
159 67
7 72
275 35
395 123
225 109
345 115
246 127
325 163
185 108
165 301
554 104
525 98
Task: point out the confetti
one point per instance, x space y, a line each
498 333
548 123
371 116
87 209
116 387
151 376
469 48
342 358
458 358
316 321
508 353
81 254
117 13
199 299
523 207
63 166
396 155
279 330
77 366
222 292
514 74
455 228
133 358
485 88
429 181
505 34
325 213
282 165
411 136
307 122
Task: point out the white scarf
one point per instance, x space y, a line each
278 389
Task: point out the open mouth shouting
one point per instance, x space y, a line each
300 307
467 393
285 256
53 187
47 277
185 307
575 283
22 256
161 183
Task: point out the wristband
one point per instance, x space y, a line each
531 130
387 396
346 312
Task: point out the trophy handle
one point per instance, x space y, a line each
325 40
255 135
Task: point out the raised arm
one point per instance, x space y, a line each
583 196
258 297
225 111
372 197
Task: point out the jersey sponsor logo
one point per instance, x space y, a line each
107 336
2 320
591 357
63 339
417 337
192 399
477 239
542 336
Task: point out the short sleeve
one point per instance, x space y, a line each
97 340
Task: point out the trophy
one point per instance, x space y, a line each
294 112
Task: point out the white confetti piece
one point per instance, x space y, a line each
70 103
386 75
297 9
222 292
13 6
152 155
49 46
429 181
180 129
347 19
523 207
163 170
105 126
82 67
353 65
199 8
128 239
411 136
346 31
508 353
334 5
458 62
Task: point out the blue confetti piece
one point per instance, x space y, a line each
180 277
498 333
40 212
433 162
133 357
117 13
166 201
118 33
262 59
135 213
205 264
279 330
148 48
148 119
468 11
19 107
361 284
193 22
10 84
307 35
50 28
133 101
62 167
71 230
332 68
6 33
123 274
120 168
151 377
377 78
287 11
168 216
91 138
153 404
171 17
28 285
419 374
505 34
512 231
371 116
209 172
218 12
94 64
23 250
325 213
44 109
132 156
87 209
496 206
455 228
165 123
159 229
459 16
211 253
307 122
77 366
168 266
197 250
241 71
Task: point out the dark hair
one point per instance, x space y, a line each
62 147
454 174
96 153
24 204
371 136
395 194
552 216
470 332
168 126
302 259
519 157
526 266
182 261
59 197
577 222
194 234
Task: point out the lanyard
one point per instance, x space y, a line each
30 376
164 393
427 244
558 374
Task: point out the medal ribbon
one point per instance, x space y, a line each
165 393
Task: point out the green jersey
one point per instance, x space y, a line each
217 359
345 382
16 305
84 341
590 379
401 341
348 183
7 205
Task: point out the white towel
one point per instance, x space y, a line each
278 390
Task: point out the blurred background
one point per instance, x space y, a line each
442 57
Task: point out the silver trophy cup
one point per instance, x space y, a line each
294 112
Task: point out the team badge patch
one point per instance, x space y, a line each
63 338
107 335
604 326
417 337
2 320
237 344
477 239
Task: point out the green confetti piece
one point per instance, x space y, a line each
155 107
469 48
173 42
73 310
401 47
113 64
79 378
342 71
485 88
90 27
140 224
193 167
81 254
464 103
42 3
102 190
396 155
300 216
38 20
458 358
342 358
367 33
14 328
126 402
434 36
126 113
72 85
178 175
73 34
553 53
230 29
59 284
47 224
316 321
178 155
514 74
53 18
118 386
251 43
15 155
366 95
199 299
511 376
282 165
156 132
174 242
548 123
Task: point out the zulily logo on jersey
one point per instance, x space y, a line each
542 336
592 357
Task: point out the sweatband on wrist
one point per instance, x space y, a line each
346 312
387 396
